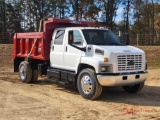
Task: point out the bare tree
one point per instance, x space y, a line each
109 8
126 14
3 15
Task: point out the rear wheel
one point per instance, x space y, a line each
25 72
87 84
133 88
34 76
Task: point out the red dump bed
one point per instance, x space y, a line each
23 42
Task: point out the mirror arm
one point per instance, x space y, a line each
82 49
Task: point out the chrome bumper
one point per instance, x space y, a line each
121 80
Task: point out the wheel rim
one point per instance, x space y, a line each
22 72
86 84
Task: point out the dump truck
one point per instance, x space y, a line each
81 54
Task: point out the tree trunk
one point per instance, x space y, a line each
4 16
77 10
127 19
152 22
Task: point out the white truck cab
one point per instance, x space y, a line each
92 58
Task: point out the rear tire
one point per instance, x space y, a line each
88 85
34 76
133 88
25 72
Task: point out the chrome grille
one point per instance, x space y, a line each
129 62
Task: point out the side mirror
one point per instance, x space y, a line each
70 37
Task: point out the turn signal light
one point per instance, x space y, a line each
106 59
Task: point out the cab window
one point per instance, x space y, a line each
77 37
59 37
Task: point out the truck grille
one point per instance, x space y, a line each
129 62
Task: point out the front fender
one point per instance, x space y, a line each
94 62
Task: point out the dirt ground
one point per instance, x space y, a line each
45 100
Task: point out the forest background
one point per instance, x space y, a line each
138 17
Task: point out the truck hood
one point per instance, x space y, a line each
120 49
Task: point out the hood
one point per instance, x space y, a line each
120 49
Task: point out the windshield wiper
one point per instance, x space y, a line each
98 43
115 44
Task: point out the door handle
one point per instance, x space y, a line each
66 48
52 48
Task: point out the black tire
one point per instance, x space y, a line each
88 85
133 88
25 72
34 76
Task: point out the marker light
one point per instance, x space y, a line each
106 59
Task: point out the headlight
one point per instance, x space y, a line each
104 68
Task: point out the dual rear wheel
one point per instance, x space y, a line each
26 73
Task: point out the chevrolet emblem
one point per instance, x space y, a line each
130 63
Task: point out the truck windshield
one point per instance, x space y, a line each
101 37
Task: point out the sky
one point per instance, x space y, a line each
119 14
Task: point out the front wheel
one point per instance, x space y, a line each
133 88
87 84
25 72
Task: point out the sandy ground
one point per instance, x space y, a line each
45 101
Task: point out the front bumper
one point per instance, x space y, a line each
122 80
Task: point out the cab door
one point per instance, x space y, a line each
57 49
73 55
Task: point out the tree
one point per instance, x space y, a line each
84 9
58 8
90 10
138 6
126 13
3 15
121 26
144 16
109 8
157 19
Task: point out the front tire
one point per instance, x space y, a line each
88 86
133 88
25 72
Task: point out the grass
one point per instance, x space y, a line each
152 55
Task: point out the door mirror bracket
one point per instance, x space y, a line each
79 48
